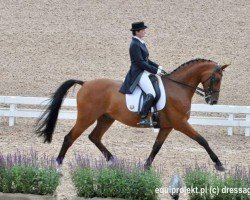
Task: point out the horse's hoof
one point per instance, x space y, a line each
59 169
110 163
220 168
114 160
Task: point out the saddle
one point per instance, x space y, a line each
134 101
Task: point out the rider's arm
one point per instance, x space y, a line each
152 63
159 68
136 55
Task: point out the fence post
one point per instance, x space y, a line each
12 119
230 130
247 130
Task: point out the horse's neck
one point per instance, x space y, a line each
190 75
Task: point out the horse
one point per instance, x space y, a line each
100 100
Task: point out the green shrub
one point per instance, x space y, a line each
121 180
142 185
110 181
83 180
237 178
25 173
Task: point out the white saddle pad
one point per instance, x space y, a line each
132 100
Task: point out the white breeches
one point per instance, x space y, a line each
146 84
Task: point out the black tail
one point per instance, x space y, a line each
47 126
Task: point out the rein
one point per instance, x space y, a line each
199 90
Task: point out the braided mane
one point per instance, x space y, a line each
188 63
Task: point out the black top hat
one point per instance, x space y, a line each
136 26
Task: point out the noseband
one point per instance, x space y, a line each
204 93
210 91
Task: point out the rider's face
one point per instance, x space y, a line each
141 33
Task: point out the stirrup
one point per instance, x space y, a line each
146 123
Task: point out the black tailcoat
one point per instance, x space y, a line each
139 62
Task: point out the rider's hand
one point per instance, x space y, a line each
160 71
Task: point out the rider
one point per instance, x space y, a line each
140 69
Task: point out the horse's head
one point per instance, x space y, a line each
211 82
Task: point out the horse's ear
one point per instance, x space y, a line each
224 66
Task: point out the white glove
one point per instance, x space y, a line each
160 71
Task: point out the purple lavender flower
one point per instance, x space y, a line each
26 159
125 165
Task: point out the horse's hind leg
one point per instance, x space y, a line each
103 124
81 125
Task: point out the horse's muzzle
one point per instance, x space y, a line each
214 102
210 101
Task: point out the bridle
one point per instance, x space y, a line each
204 93
210 91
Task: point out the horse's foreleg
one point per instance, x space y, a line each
161 137
103 124
188 130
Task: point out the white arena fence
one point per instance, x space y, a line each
228 116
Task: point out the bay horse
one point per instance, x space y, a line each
100 100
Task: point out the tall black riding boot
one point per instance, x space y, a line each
147 104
